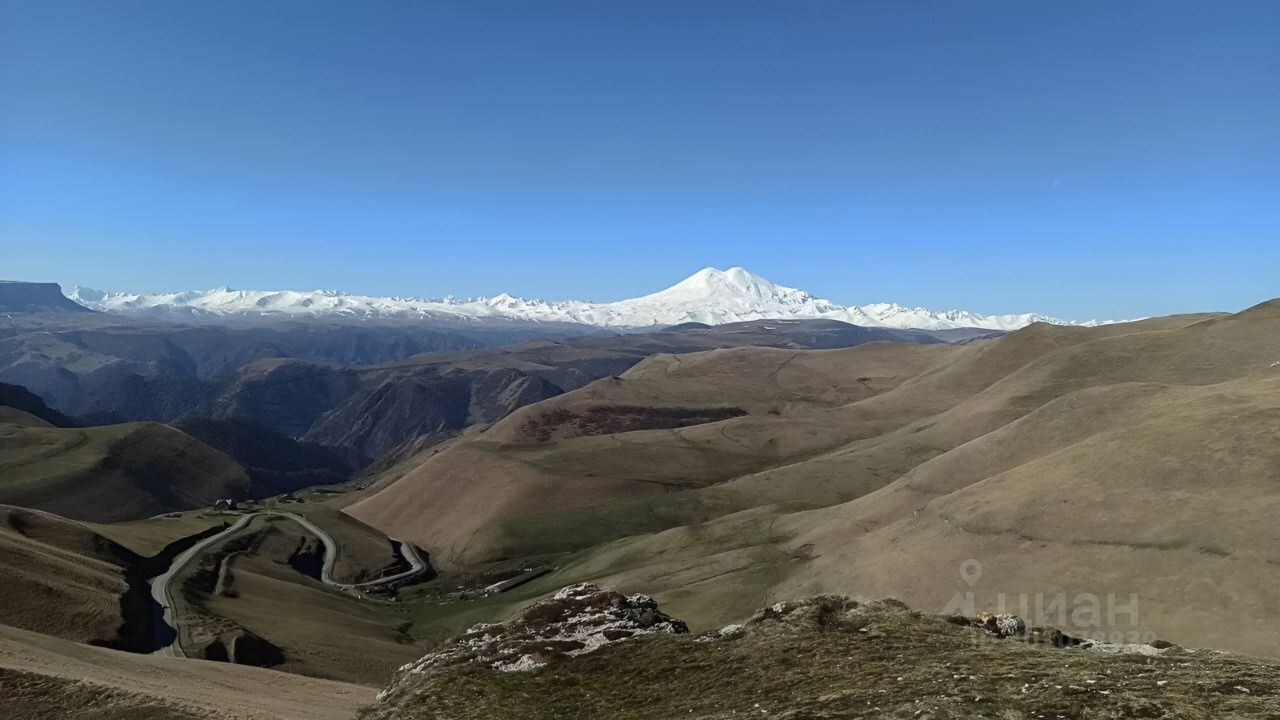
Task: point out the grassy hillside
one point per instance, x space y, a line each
819 427
375 410
1063 461
52 679
112 473
149 537
835 659
87 581
363 553
262 588
60 577
1136 505
671 423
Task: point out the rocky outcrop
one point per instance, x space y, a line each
576 620
1001 625
822 657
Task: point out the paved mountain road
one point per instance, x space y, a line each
162 584
407 551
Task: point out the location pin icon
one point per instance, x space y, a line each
970 571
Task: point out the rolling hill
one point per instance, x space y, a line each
112 473
262 590
364 388
46 677
374 409
1065 461
673 422
827 657
60 577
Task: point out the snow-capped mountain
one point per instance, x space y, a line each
708 296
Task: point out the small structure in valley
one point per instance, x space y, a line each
224 504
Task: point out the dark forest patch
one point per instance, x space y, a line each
610 419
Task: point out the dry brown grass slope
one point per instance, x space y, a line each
832 659
363 553
263 587
112 473
14 416
59 577
1171 499
627 438
1143 460
1129 459
46 677
151 536
819 429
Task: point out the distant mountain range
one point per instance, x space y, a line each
709 296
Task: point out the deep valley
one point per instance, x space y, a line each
265 498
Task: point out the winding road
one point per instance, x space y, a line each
162 584
407 551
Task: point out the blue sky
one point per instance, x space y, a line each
1083 158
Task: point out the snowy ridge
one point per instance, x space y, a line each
709 296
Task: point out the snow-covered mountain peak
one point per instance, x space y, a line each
709 296
85 295
710 283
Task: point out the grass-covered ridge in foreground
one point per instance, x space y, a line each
831 657
47 678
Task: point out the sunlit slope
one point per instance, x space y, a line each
1139 463
816 427
45 677
266 586
672 423
1173 497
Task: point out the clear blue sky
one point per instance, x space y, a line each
1080 158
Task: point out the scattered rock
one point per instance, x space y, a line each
821 610
1003 625
1121 648
578 619
731 630
839 658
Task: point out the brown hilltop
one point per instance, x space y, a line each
630 438
112 473
1135 458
